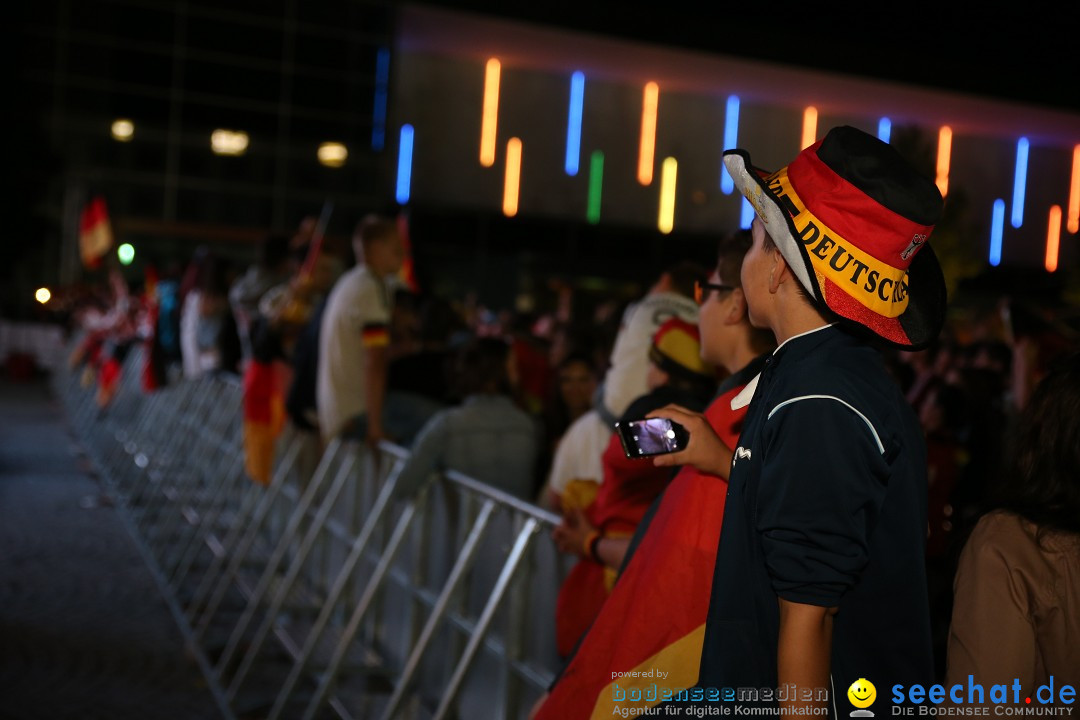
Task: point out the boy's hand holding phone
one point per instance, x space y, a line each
703 449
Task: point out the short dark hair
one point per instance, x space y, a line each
482 367
374 227
684 274
730 254
578 357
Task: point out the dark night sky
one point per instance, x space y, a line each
1014 53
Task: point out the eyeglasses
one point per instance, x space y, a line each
701 290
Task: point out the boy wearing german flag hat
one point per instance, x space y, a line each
820 579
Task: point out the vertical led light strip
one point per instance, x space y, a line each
1020 182
649 104
944 156
884 129
573 123
997 227
669 169
596 186
488 124
1053 238
1074 193
382 88
731 140
512 182
404 165
809 127
746 214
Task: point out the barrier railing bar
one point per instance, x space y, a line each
277 601
218 507
521 543
342 579
271 569
257 502
247 541
461 566
329 676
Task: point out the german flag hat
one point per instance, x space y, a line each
852 219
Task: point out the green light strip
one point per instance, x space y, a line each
596 184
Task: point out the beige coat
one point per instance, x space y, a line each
1017 608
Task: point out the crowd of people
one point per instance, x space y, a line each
870 489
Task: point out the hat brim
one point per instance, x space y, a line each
914 329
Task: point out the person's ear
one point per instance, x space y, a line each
778 270
736 308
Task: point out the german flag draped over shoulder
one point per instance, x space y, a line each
264 417
649 633
622 500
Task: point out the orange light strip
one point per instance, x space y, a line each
649 105
1074 193
1053 238
668 171
491 112
809 127
512 182
944 156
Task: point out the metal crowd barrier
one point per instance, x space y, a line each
321 595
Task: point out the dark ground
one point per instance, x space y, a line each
84 630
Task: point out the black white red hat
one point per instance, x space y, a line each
852 219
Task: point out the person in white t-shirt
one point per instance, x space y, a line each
355 333
670 296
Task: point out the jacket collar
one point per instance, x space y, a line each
803 341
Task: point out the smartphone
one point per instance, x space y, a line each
651 436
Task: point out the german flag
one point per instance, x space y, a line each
264 417
375 335
95 233
649 633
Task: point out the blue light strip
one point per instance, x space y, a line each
996 229
1020 182
382 89
573 123
746 217
884 129
731 139
404 164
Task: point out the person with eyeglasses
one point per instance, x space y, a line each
657 606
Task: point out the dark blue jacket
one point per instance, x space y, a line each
826 506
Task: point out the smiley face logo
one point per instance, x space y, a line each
862 693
